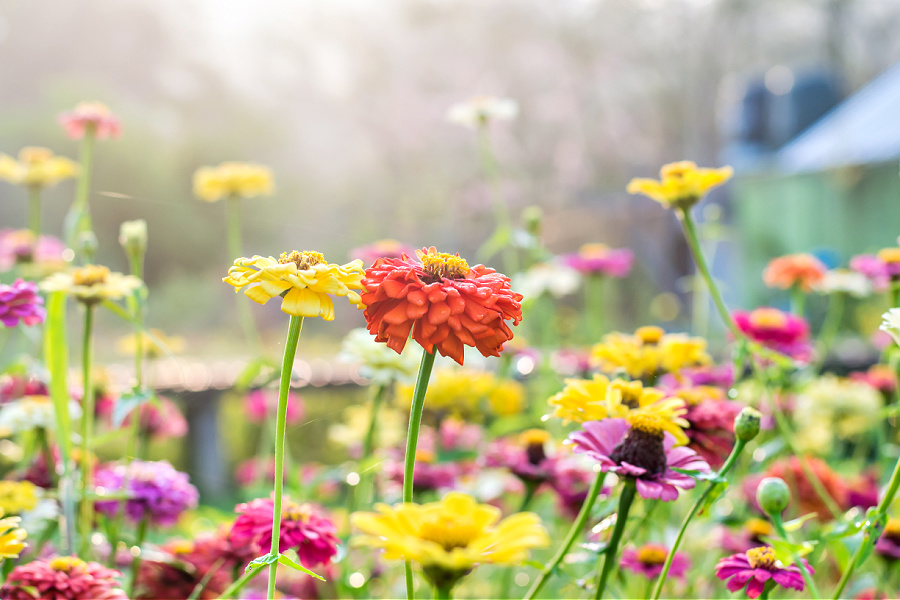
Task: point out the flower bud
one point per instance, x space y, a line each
773 495
87 244
133 237
532 216
746 424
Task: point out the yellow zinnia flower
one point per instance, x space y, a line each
452 392
37 167
12 537
17 496
91 284
245 180
681 184
650 352
304 280
451 537
174 344
507 398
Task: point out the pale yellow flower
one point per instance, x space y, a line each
171 343
681 184
244 180
452 392
12 537
303 279
834 408
507 398
91 284
17 496
36 167
650 352
354 424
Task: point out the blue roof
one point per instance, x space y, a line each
865 128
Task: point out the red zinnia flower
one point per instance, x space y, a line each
445 303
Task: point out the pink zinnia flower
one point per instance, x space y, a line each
21 302
155 491
62 578
601 259
873 269
571 482
456 434
381 249
262 405
648 561
524 456
94 117
16 386
782 332
312 535
711 416
643 453
721 376
754 568
19 246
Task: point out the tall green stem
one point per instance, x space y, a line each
34 209
79 217
798 301
575 531
290 349
412 441
594 305
609 557
690 234
137 309
729 463
239 584
810 582
235 251
87 427
136 561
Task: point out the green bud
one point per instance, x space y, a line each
133 237
532 216
87 244
746 424
773 495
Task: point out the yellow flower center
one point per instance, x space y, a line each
66 563
181 547
650 335
443 265
425 456
757 528
296 512
678 170
647 423
889 255
534 437
652 554
593 250
89 275
892 529
631 392
35 154
447 531
768 318
762 557
304 260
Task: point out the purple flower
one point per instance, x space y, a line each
601 259
21 302
154 489
888 545
571 481
524 456
640 451
755 567
648 561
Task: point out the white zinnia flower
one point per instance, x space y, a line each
31 412
378 362
891 323
481 110
844 281
556 279
34 521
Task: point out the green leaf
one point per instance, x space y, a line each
253 370
786 551
284 560
700 475
534 564
261 561
796 524
56 357
128 402
714 494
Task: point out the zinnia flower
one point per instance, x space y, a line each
571 480
881 377
462 393
381 249
93 118
802 270
751 535
429 475
20 302
261 406
450 537
842 281
681 184
91 284
649 353
782 332
444 303
17 496
755 567
601 259
872 268
888 545
648 561
376 361
31 412
524 455
304 280
36 168
556 279
710 415
639 448
62 578
303 529
12 537
35 257
833 408
478 111
155 491
891 324
890 258
232 179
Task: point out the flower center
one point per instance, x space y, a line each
35 154
425 456
892 529
296 512
181 547
630 390
650 335
89 275
889 255
66 563
304 260
768 318
762 557
447 531
757 528
534 440
443 265
652 554
643 445
594 250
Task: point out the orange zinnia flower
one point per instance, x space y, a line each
804 270
445 303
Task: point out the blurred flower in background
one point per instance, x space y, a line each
601 259
91 284
93 117
261 405
381 249
36 168
233 179
20 303
681 184
556 278
783 332
376 361
833 409
795 270
480 111
38 256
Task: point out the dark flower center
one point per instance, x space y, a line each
642 449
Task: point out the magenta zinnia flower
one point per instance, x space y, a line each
62 578
312 535
21 302
873 269
381 249
755 567
262 405
524 456
155 490
571 481
601 259
19 246
642 451
782 332
648 561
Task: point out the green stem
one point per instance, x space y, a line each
729 463
137 309
290 349
894 292
235 251
34 209
575 531
87 426
412 440
690 234
369 441
201 585
443 592
810 582
238 585
609 557
79 217
798 301
136 562
831 325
